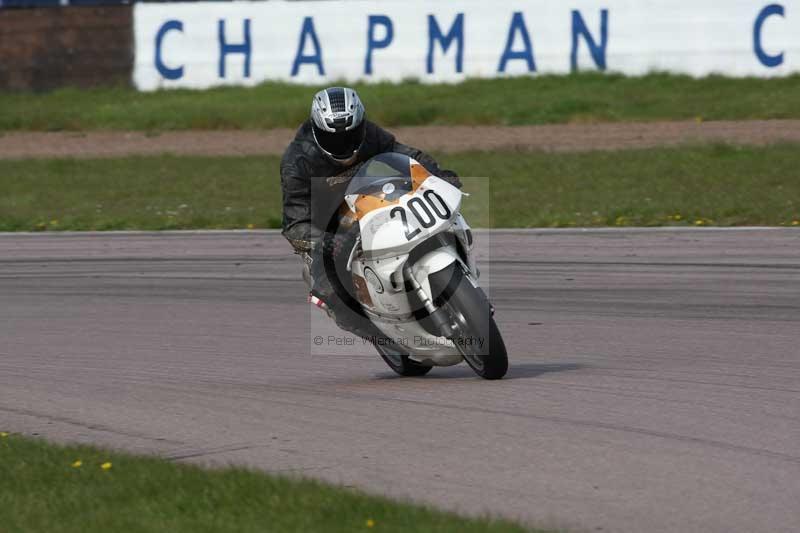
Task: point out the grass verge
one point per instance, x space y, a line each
585 97
706 185
67 489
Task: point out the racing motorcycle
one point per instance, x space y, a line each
409 269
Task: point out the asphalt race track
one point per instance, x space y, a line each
654 386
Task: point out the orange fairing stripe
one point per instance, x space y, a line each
366 203
418 175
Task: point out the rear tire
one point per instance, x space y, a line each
401 363
472 313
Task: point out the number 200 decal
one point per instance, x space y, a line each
425 212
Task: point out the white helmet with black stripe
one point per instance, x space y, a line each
337 120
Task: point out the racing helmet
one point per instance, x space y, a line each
337 121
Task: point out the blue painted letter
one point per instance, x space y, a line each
456 33
225 48
164 70
372 44
598 51
517 25
313 59
766 59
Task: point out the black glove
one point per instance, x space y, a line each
450 177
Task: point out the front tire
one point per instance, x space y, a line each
477 336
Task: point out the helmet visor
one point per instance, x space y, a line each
340 144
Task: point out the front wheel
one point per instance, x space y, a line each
476 335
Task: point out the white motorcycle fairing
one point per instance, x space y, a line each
389 235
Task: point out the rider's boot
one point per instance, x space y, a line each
345 318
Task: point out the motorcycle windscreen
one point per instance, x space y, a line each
387 176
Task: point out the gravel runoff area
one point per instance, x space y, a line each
566 138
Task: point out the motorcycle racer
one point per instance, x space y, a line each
335 140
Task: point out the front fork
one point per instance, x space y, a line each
437 315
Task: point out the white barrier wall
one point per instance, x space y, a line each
243 43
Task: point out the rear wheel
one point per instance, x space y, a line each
475 332
400 362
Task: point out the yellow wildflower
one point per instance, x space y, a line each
106 466
77 464
251 226
698 222
370 522
3 434
795 222
54 222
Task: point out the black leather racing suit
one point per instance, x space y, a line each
302 162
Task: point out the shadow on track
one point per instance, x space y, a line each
515 371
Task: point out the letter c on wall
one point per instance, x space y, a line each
165 71
766 59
